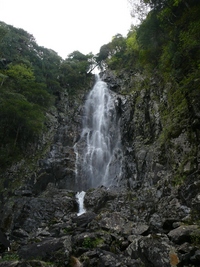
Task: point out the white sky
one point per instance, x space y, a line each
68 25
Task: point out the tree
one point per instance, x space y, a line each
28 75
150 37
20 123
20 73
75 71
139 10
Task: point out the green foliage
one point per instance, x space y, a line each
87 243
10 256
20 72
168 39
131 41
120 53
75 72
20 123
30 78
166 43
195 238
3 32
150 39
112 52
91 243
165 48
178 179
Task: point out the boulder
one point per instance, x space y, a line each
182 234
84 219
154 251
98 198
50 249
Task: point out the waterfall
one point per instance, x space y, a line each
80 199
99 144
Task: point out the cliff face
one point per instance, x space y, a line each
161 156
150 219
154 152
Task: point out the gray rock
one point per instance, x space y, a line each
50 249
182 233
140 229
152 250
84 219
196 257
11 264
113 222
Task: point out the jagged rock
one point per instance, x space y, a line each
20 233
113 222
156 223
84 219
182 234
185 252
100 196
11 264
43 232
102 258
195 259
50 249
110 79
24 192
140 229
152 250
29 213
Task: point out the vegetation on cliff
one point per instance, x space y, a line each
30 79
164 49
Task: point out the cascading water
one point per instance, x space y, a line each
98 151
80 199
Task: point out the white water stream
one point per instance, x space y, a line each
98 152
80 199
101 133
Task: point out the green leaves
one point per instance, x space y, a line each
20 72
31 77
74 71
19 76
18 116
20 123
112 54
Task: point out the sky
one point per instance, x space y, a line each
69 25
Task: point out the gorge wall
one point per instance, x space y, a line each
150 219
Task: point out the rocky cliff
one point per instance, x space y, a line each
150 219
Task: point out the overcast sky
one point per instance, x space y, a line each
68 25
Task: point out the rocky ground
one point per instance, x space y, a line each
119 228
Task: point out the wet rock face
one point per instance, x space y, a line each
140 127
58 165
151 159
